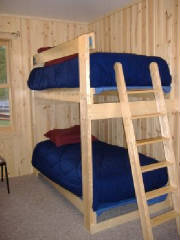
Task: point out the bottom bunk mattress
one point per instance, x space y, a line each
112 177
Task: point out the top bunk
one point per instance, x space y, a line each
62 66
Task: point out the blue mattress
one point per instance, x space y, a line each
66 74
111 171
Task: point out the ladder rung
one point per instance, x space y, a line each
159 192
151 115
141 91
150 140
164 218
155 166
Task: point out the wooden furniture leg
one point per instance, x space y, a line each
7 179
3 164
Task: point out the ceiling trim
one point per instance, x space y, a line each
42 18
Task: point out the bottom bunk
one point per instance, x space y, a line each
112 178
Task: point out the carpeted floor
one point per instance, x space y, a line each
34 210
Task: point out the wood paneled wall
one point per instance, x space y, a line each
146 27
16 146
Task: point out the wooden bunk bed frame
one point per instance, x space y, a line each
90 111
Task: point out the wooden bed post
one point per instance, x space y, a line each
86 143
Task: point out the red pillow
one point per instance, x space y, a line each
42 49
58 60
65 136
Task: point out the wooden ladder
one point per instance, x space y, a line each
172 188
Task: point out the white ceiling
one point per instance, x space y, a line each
75 10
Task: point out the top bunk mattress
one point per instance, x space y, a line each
102 74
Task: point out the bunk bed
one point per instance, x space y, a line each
92 182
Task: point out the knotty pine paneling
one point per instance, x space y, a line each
146 27
16 146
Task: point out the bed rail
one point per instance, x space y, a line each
62 50
113 110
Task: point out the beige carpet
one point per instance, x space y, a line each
34 210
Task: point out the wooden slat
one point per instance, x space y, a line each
164 218
159 192
127 217
114 93
151 115
150 141
141 91
62 50
113 110
61 94
154 166
70 95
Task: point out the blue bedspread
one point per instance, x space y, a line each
111 170
66 75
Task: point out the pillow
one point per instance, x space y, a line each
58 60
65 136
42 49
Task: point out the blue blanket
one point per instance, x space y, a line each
111 170
66 74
